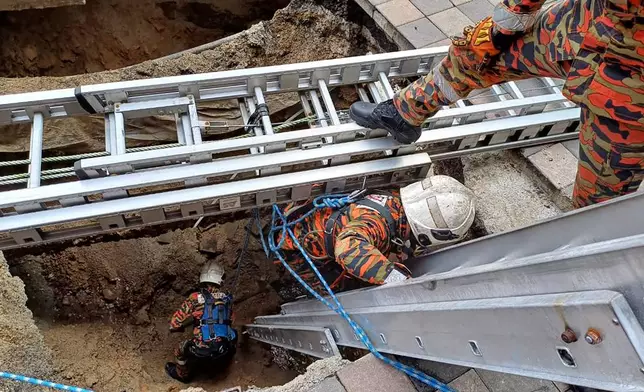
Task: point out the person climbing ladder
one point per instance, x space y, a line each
597 46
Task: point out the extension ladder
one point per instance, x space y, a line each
558 300
121 189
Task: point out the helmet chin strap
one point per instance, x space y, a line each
413 248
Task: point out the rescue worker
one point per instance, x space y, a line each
214 341
351 246
597 46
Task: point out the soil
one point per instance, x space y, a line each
299 32
111 34
21 345
104 308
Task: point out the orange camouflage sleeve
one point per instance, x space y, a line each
357 251
302 268
184 312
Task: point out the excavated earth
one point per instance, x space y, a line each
101 308
300 32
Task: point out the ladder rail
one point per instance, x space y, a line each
15 108
110 215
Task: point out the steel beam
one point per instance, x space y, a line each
517 335
316 342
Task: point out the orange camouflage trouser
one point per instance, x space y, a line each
611 153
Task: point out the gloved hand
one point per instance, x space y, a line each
484 42
180 329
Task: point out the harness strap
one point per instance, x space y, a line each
206 327
215 313
329 228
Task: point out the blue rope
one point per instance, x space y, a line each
332 201
42 383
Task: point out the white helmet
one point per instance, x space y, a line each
439 209
212 272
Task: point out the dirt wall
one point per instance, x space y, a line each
111 34
104 308
22 349
17 5
297 33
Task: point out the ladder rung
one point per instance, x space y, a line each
35 150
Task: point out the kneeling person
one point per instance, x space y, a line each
210 312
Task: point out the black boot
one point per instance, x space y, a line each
171 369
384 116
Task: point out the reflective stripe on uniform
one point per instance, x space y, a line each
444 87
510 21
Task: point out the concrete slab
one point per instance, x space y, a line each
431 7
17 5
567 191
572 146
443 372
477 10
557 164
459 2
451 21
331 384
506 197
421 33
367 6
526 152
469 382
399 12
500 382
370 374
390 30
443 42
377 2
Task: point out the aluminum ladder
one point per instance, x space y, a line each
559 300
121 189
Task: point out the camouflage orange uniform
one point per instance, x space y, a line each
192 309
597 46
362 244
